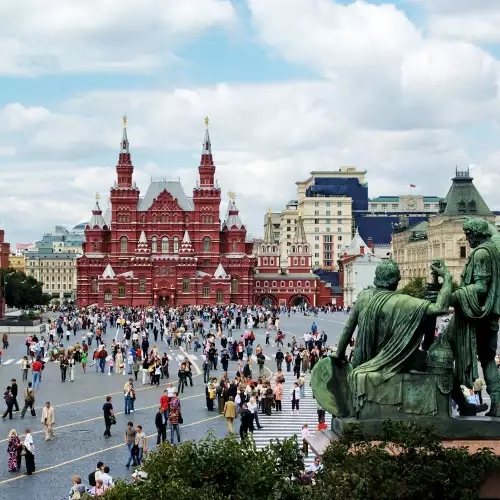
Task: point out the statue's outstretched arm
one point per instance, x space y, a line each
443 300
349 328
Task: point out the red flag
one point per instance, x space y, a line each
413 186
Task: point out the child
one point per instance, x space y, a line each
110 364
305 444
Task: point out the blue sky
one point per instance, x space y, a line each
405 90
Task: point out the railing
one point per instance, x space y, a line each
41 329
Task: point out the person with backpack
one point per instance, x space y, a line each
96 475
29 401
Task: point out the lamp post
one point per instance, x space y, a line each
3 304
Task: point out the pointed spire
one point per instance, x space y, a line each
269 230
207 146
220 272
233 218
300 234
186 246
97 218
142 244
108 272
124 144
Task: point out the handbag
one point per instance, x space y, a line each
181 420
23 451
112 420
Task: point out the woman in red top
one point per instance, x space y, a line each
321 426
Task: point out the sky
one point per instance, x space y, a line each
406 90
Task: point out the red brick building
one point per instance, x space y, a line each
165 248
295 286
4 262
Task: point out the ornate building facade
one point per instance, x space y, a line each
295 285
165 248
442 236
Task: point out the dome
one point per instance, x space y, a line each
81 226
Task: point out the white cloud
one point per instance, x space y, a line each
101 35
387 98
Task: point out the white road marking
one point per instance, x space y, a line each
8 362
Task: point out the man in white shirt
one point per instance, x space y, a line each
106 479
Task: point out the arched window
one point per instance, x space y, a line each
271 261
95 285
164 245
108 298
274 284
265 261
234 246
308 284
266 284
282 284
96 246
143 219
154 218
302 261
295 261
234 285
257 283
299 283
153 244
121 290
290 284
206 244
176 244
123 244
220 296
186 284
206 291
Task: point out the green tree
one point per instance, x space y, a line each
408 463
21 290
218 469
415 288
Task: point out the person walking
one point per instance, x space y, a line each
128 394
36 373
295 397
175 419
14 390
29 452
14 451
7 397
252 406
48 420
206 370
161 425
63 365
245 421
229 413
140 444
29 401
278 395
109 416
130 434
279 359
24 368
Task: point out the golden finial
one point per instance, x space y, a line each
124 121
206 121
231 195
97 196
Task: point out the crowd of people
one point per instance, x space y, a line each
139 347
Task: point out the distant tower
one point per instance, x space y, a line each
268 255
299 255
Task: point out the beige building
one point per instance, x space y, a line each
328 220
442 237
408 204
56 270
17 262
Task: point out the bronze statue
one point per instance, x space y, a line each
398 370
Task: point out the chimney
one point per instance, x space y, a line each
362 249
370 242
